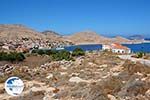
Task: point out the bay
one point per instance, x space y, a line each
141 47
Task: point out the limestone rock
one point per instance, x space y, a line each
111 97
76 79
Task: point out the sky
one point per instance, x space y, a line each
106 17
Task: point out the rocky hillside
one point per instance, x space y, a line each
86 38
52 35
120 40
92 37
95 76
18 32
15 31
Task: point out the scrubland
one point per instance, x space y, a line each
94 76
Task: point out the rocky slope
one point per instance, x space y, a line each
120 39
95 76
89 37
52 35
15 31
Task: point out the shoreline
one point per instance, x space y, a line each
104 43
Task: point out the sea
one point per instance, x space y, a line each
141 47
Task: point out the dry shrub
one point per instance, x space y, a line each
132 68
95 92
137 87
134 86
87 92
141 97
2 90
147 56
78 90
35 61
3 79
111 85
19 72
62 94
33 95
22 73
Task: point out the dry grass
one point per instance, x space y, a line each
147 56
83 91
35 61
132 68
19 72
134 86
94 92
111 85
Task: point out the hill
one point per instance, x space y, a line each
16 31
85 37
52 35
136 37
120 39
89 37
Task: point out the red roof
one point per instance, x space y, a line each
118 46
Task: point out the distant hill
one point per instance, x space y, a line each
93 38
136 37
52 35
85 37
49 32
16 31
120 39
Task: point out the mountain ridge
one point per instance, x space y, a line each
18 31
91 37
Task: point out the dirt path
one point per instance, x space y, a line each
128 57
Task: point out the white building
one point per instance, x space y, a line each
116 48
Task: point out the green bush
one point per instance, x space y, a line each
50 52
60 55
20 57
78 52
40 52
3 56
12 56
140 54
34 51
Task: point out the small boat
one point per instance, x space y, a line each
60 48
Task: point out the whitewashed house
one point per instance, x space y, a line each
116 48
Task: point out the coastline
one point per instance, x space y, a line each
80 44
136 47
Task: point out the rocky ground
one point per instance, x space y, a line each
95 76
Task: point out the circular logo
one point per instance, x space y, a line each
14 86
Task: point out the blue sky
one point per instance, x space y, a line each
106 17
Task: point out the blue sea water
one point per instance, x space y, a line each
144 47
87 47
